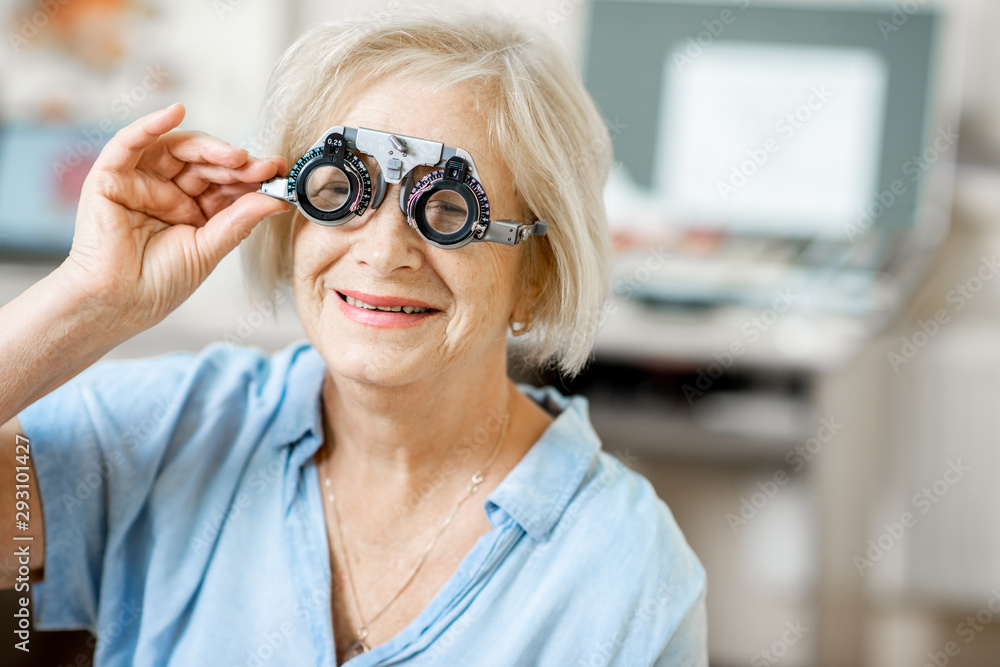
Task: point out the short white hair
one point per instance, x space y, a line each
541 120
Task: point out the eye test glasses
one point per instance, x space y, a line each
331 184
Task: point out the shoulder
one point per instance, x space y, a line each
616 521
219 370
608 504
139 410
617 542
133 448
602 490
218 363
632 556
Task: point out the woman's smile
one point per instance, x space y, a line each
383 311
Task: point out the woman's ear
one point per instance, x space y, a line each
529 291
524 308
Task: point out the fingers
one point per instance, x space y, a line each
152 196
185 163
201 147
178 149
233 224
281 162
133 146
125 148
167 201
194 179
218 197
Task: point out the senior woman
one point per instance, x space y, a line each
382 494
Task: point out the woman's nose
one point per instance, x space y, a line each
384 241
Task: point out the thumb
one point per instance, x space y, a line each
227 228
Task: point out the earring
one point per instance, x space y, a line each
522 329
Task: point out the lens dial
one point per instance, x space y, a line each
331 184
448 206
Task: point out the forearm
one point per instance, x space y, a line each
49 334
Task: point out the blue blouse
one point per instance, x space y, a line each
184 526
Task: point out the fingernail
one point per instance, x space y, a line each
168 110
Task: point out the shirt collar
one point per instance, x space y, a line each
299 413
535 493
539 488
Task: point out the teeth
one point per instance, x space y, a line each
389 309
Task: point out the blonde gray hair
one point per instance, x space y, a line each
541 120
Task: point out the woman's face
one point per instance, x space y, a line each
377 257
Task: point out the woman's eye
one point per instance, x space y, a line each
441 207
328 189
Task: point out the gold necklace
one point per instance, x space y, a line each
359 645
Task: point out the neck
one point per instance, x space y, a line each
403 447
